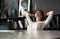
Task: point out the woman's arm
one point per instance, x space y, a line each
28 18
49 18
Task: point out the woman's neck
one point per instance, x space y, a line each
38 19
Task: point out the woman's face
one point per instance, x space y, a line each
38 14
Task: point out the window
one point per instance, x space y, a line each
24 5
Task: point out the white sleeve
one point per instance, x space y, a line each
28 18
49 18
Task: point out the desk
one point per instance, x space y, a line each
31 35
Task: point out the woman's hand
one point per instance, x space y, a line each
24 13
47 14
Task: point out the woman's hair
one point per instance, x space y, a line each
42 19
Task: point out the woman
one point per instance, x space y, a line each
40 22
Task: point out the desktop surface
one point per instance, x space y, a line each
23 34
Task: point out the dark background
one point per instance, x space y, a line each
47 5
9 3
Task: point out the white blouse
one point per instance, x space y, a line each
38 25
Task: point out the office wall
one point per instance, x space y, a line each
11 3
47 5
